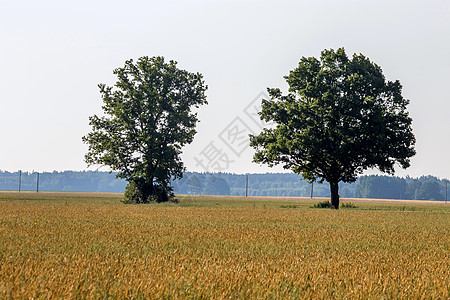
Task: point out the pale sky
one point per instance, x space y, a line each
54 53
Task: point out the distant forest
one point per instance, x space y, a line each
269 184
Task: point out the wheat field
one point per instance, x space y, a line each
80 245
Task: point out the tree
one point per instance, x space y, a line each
382 187
339 118
215 186
147 120
429 190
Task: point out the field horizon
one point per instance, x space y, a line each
251 198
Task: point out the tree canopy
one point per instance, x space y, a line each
339 118
148 118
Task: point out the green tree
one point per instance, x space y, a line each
215 186
195 185
339 118
429 190
381 187
147 120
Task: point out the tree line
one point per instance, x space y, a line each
269 184
66 181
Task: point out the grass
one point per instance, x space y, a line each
74 245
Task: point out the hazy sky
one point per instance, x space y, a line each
54 53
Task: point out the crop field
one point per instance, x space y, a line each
80 245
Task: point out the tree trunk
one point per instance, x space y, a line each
334 187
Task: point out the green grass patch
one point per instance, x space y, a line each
348 205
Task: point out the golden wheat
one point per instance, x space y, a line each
91 246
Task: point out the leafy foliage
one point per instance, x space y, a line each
147 120
348 205
323 204
429 190
387 187
134 195
339 118
381 187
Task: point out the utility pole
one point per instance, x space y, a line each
37 183
446 191
20 179
246 185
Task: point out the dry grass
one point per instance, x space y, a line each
61 245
